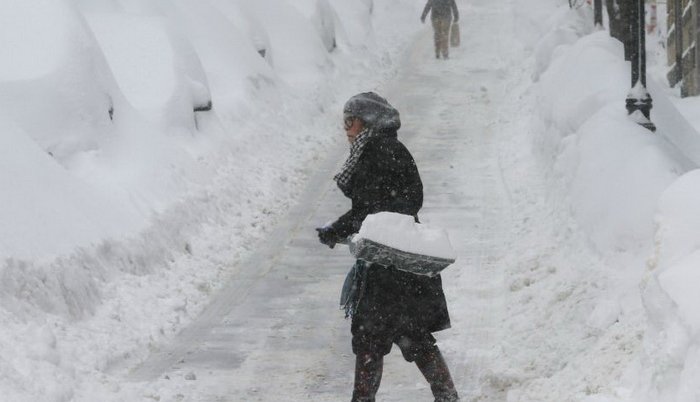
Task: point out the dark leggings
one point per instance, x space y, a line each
441 32
426 354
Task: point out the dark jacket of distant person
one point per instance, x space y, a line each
441 9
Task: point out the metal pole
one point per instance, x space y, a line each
678 23
635 48
598 12
615 19
642 35
628 31
639 102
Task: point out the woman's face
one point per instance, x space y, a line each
353 128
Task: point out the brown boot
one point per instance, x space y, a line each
368 376
434 369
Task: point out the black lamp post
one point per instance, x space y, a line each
639 101
598 12
678 24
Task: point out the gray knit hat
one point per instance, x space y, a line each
373 110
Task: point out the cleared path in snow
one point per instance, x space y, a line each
276 334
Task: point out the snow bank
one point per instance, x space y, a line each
621 184
613 169
678 221
614 193
299 59
357 31
587 75
401 232
54 83
47 208
569 25
670 363
58 99
228 53
146 147
323 17
138 100
536 20
627 190
155 67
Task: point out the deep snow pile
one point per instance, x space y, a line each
632 196
578 245
147 146
668 368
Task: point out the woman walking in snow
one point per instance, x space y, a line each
387 306
442 14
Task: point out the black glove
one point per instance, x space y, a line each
327 236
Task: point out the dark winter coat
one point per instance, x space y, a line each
387 179
441 9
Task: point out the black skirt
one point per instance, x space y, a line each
393 303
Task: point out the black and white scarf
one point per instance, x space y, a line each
343 177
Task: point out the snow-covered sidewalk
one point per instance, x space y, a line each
275 333
574 278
